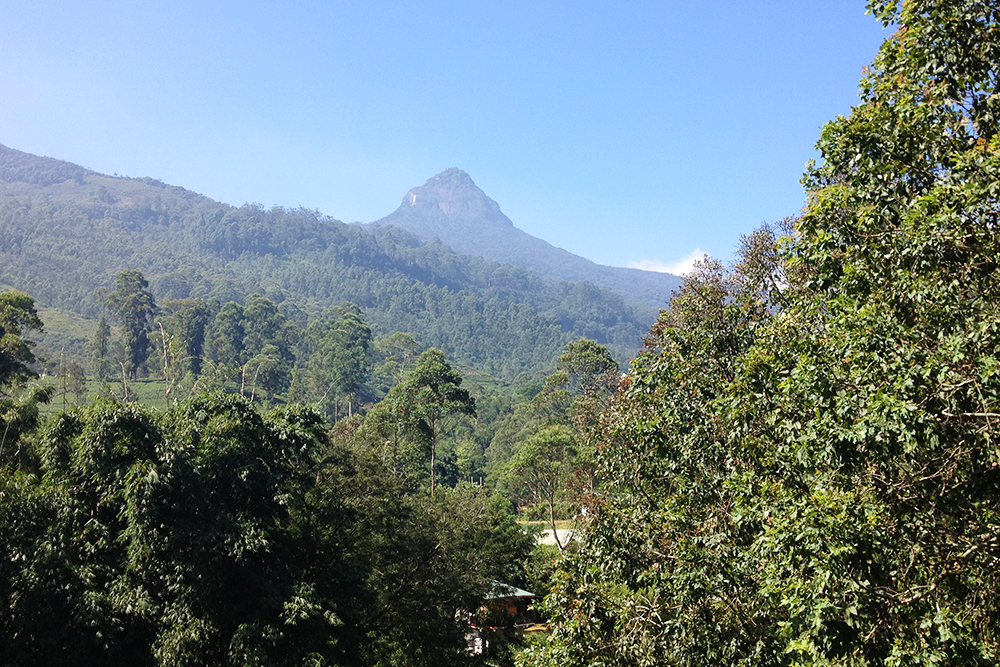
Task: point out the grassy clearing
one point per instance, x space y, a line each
150 392
64 338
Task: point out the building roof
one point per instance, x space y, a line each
501 590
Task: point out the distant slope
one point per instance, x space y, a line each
453 209
66 231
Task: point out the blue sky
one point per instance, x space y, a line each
625 132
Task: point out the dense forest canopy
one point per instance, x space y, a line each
237 527
801 467
219 534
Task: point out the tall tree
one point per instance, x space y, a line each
17 317
574 395
394 356
187 323
543 465
19 408
340 359
101 365
269 340
589 365
262 324
434 388
225 336
409 423
802 467
133 306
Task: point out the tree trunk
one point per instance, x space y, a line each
433 452
552 522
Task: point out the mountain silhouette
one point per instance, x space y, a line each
451 208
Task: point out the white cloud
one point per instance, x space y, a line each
678 268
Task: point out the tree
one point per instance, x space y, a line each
409 423
572 396
268 369
133 306
543 465
17 316
801 467
589 365
591 368
225 336
100 350
900 239
434 388
76 381
19 413
188 322
262 324
340 358
665 545
395 354
268 341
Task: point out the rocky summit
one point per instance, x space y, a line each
453 209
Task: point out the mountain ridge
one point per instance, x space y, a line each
65 232
453 209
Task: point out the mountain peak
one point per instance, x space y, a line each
453 209
452 194
453 175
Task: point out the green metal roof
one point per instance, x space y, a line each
501 590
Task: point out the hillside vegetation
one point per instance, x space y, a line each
69 231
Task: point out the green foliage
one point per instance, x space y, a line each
101 365
543 466
543 452
215 534
340 355
589 364
801 467
225 336
65 239
133 306
19 403
395 355
17 316
188 320
409 423
434 392
662 575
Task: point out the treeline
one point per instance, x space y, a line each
273 354
221 531
217 533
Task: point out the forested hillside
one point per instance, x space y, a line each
272 519
68 231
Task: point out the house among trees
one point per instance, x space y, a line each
505 608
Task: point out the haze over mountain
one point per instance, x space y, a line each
66 231
451 208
